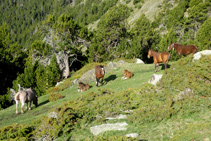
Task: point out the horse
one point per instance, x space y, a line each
127 75
25 96
99 73
82 87
183 49
163 57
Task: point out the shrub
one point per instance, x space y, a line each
54 97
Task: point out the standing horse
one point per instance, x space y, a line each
183 49
99 73
163 57
25 96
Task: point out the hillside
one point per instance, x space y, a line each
177 109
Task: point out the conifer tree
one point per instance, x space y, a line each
53 73
40 80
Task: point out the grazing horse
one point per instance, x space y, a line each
25 96
82 87
127 75
183 49
163 57
99 73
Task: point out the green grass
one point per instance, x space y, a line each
112 80
155 116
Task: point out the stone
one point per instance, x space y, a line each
118 117
133 135
197 55
108 127
186 93
139 61
155 78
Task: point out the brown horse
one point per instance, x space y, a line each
183 49
25 96
163 57
99 73
82 87
127 75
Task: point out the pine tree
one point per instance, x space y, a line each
40 80
53 73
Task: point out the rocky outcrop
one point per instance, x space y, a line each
198 55
108 127
155 78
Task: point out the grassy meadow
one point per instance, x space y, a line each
156 115
112 80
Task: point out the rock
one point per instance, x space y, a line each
118 117
139 61
111 64
186 93
197 55
108 127
52 115
75 81
87 77
58 83
155 78
133 135
121 62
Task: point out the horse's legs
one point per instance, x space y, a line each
101 81
22 105
26 105
155 67
16 107
29 105
97 82
158 66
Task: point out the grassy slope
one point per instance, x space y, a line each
183 125
142 74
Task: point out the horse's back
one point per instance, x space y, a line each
21 96
30 94
187 49
165 56
99 71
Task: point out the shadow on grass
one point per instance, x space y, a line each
44 102
163 66
110 78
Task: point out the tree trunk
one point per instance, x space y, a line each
67 69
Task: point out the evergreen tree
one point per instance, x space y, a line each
53 73
112 28
40 75
203 36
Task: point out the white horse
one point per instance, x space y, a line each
25 96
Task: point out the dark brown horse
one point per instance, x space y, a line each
99 72
183 49
163 57
82 87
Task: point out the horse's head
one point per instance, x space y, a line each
35 101
102 71
171 46
125 72
149 53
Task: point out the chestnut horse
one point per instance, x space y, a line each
99 73
163 57
183 49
